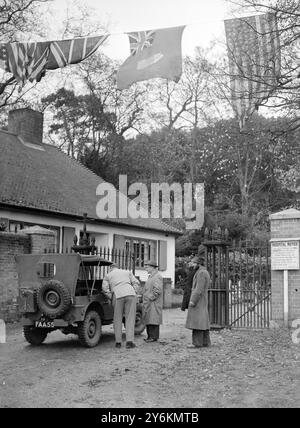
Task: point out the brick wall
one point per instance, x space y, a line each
41 239
10 245
33 240
285 225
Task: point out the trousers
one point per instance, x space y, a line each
152 331
201 338
124 307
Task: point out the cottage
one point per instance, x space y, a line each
42 186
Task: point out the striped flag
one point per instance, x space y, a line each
27 61
66 52
155 53
254 61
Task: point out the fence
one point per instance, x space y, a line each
240 291
249 286
124 259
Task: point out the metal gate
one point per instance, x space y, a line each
240 292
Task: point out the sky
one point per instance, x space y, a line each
203 20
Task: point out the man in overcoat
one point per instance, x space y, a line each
153 301
188 287
192 269
198 317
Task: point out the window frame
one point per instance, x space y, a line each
143 250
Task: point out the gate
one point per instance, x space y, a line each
240 291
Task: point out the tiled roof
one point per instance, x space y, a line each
43 177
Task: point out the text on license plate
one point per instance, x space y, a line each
44 324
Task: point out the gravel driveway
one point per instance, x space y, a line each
241 369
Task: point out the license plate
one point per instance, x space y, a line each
44 324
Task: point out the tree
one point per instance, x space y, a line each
248 164
186 104
17 18
91 124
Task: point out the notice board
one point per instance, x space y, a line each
285 255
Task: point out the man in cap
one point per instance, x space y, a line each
198 317
121 287
153 301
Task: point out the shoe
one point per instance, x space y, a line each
130 345
150 340
118 345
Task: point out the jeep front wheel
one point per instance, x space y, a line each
89 330
34 336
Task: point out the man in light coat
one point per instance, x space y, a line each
198 317
153 301
121 287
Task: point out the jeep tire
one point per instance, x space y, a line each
89 330
53 299
34 336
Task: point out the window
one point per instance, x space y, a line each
46 270
142 248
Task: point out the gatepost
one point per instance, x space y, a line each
285 265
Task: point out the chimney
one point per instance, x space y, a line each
27 124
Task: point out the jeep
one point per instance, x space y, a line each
63 292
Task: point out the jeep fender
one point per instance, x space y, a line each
93 306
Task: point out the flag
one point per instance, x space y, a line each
155 53
27 61
3 57
254 61
66 52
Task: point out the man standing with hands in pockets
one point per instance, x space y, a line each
198 317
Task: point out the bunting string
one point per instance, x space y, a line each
252 45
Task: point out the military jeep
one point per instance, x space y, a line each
63 291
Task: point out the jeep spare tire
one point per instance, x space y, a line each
53 298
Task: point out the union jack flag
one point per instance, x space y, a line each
28 61
140 40
64 52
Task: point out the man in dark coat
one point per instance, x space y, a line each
198 317
192 269
153 301
188 287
